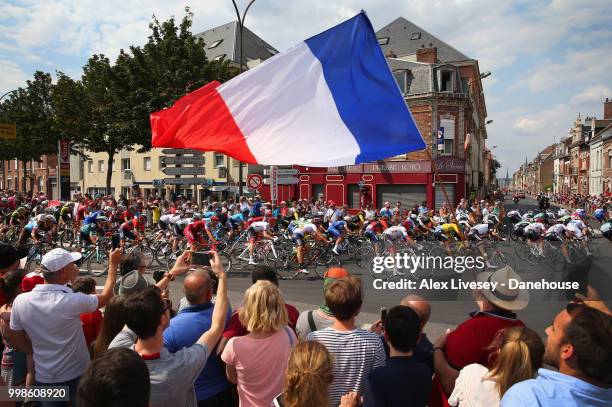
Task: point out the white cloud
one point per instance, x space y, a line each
526 124
11 75
592 94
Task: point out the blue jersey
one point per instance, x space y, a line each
338 225
92 218
237 218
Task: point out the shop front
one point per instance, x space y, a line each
408 182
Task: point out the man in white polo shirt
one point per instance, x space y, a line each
49 315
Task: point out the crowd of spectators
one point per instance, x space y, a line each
589 203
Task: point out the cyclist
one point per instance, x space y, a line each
337 230
577 229
89 233
534 232
373 231
482 231
606 230
394 234
197 231
600 215
236 222
447 232
133 229
300 232
66 212
257 231
557 233
41 223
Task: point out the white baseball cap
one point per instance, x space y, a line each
57 259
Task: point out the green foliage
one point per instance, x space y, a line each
30 109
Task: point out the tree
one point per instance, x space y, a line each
31 110
171 64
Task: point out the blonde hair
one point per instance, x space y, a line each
308 376
519 356
263 308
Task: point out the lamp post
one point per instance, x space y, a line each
241 27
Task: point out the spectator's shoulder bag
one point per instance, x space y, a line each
311 322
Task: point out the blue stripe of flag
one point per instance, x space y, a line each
364 90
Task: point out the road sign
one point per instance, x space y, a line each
184 170
185 181
283 171
273 183
283 181
158 183
183 160
8 131
181 151
254 181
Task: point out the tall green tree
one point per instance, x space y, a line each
171 64
30 108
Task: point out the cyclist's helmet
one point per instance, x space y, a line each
197 216
492 218
539 216
214 219
563 212
413 216
406 224
464 224
316 220
102 219
539 220
142 216
50 218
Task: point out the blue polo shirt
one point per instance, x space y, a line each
552 388
184 330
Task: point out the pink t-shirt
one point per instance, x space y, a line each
260 364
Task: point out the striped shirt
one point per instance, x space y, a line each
355 353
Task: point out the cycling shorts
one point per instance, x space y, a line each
298 238
334 232
126 234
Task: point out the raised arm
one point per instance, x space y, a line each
212 336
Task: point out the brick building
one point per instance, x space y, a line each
37 176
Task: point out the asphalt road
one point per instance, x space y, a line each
450 307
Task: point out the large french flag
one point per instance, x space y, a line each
330 100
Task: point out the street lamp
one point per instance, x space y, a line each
10 91
241 27
485 74
489 121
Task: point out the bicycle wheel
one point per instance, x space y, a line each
147 254
226 261
33 263
363 255
66 239
97 264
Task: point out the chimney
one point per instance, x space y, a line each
427 55
608 109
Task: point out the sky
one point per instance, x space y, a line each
550 60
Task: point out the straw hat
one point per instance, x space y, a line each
503 296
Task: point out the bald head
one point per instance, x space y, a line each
420 305
198 287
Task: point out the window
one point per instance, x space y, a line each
215 44
235 163
449 136
113 167
219 57
161 163
446 82
90 166
41 185
400 78
219 160
125 164
383 41
146 163
15 163
353 196
465 85
415 36
100 165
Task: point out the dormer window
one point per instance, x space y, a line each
383 41
447 81
403 79
215 44
415 36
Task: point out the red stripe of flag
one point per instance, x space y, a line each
200 120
